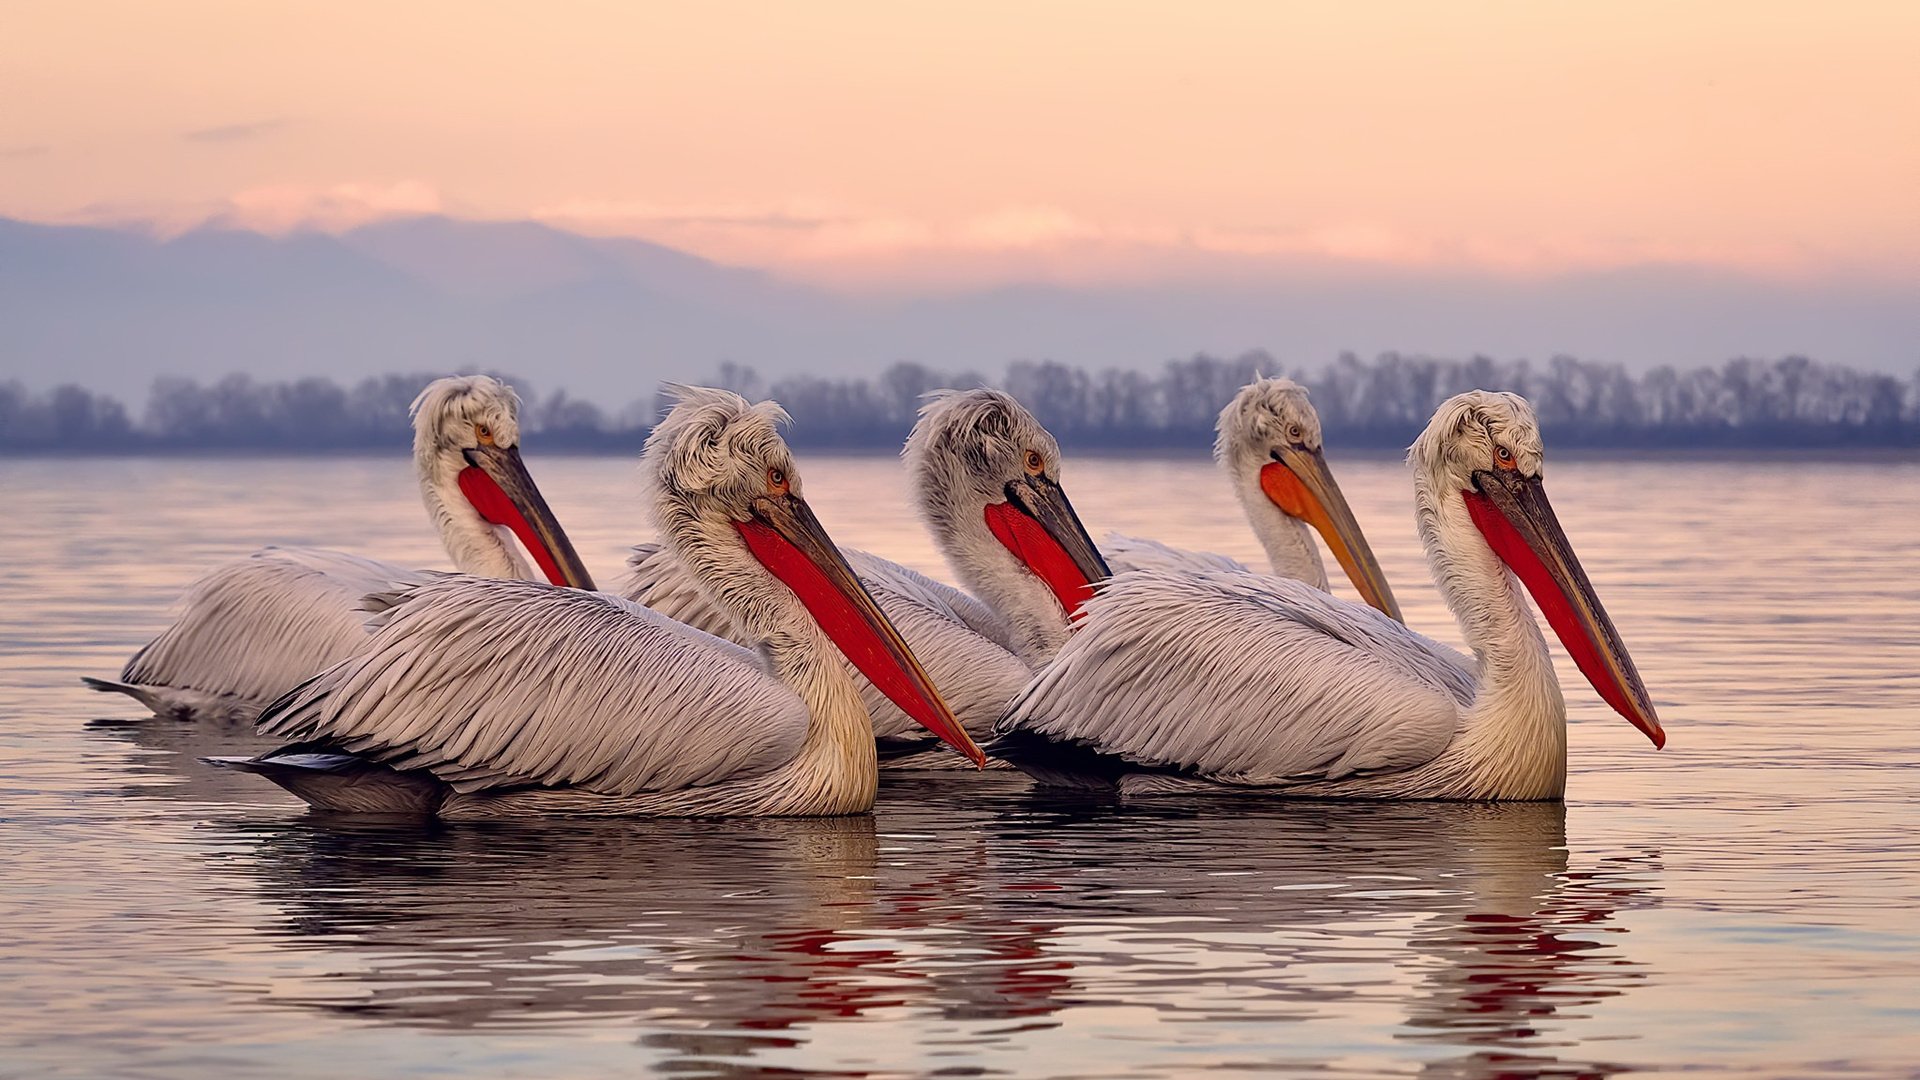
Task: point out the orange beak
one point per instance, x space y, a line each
1300 484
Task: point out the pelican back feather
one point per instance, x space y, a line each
490 685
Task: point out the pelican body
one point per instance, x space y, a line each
480 698
1226 681
1268 442
985 477
252 629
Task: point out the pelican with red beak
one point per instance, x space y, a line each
985 477
481 699
1267 441
252 629
1232 682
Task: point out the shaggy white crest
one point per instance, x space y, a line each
1265 415
1466 433
708 442
963 452
446 413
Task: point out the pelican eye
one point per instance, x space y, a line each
777 480
1035 463
1294 434
484 434
1503 458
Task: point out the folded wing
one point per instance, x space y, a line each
1243 679
491 684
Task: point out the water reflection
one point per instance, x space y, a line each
723 940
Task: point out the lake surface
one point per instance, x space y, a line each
1742 903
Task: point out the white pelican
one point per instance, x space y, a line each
252 629
482 698
1268 442
985 477
1233 682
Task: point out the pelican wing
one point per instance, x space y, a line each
658 580
254 628
1241 678
958 639
1125 553
492 684
973 671
942 600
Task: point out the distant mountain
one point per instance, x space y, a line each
608 317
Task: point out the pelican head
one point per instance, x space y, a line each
466 449
986 477
727 500
1268 440
1482 454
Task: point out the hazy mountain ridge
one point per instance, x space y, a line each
112 309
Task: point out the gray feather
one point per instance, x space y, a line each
492 684
1245 679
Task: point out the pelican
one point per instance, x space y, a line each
1233 682
1268 442
985 476
253 629
481 699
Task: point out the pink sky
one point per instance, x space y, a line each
884 142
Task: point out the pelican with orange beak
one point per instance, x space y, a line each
481 699
1222 681
252 629
1267 440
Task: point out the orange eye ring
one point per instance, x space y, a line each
776 480
484 434
1503 458
1035 463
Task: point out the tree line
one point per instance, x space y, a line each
1381 403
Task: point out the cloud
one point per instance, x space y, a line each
864 250
21 153
284 208
275 210
233 133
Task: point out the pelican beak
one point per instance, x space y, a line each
495 481
1513 514
1038 525
790 542
1300 484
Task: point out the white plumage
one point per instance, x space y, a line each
252 629
480 698
1235 682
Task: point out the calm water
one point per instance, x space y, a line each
1741 903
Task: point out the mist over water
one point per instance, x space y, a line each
1738 903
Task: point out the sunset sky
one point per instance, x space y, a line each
872 143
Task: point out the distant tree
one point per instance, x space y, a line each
1383 403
